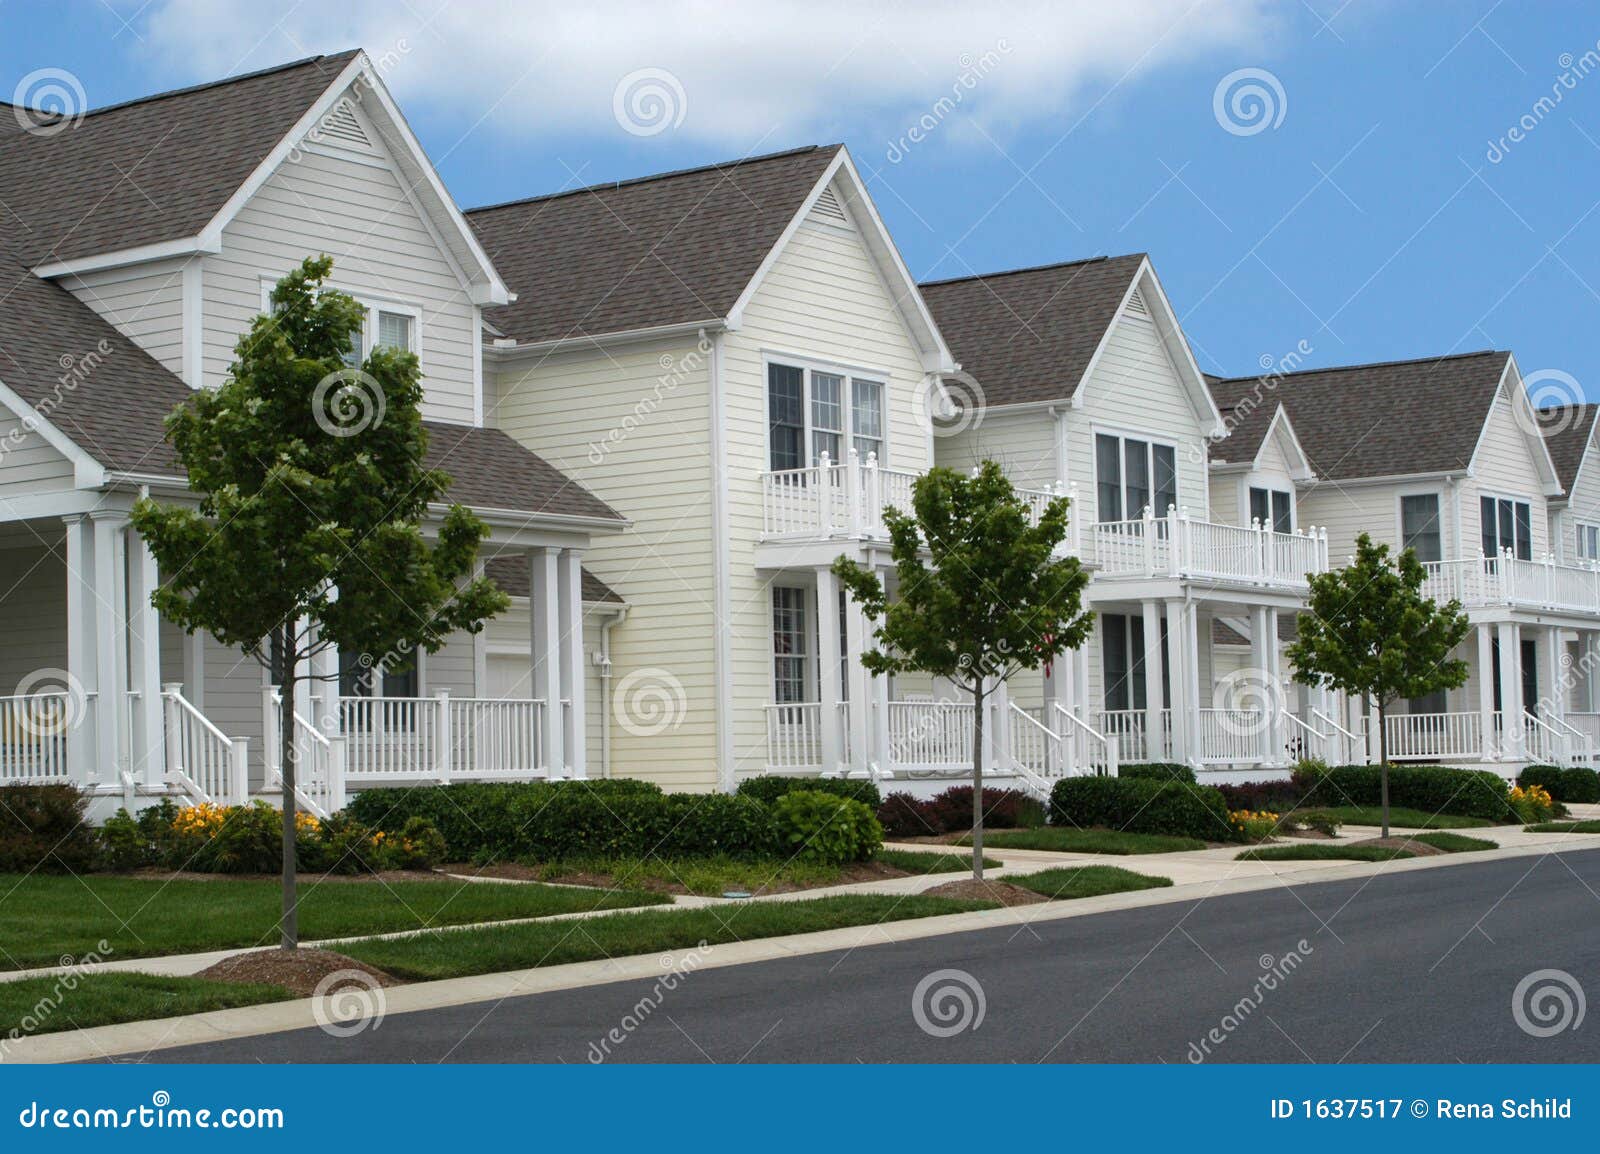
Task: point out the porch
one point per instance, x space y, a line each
110 698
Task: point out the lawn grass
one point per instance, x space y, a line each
1060 839
493 949
46 917
1322 851
1399 816
45 1005
921 862
1590 826
1066 882
1453 842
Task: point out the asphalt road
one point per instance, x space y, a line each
1410 967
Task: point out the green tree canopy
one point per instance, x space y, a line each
980 593
1370 631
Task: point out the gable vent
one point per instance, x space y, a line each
340 127
828 210
1136 304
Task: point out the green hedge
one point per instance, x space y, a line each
1430 788
769 787
42 828
1157 771
1574 783
1142 806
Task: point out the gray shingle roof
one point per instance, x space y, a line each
491 470
1567 429
149 170
663 250
512 575
1029 334
1247 422
1377 420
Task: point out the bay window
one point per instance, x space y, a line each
1131 474
815 411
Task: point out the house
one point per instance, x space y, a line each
1082 382
1446 456
136 247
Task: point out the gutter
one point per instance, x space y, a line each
500 350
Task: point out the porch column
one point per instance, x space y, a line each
1154 696
324 688
857 679
1277 699
1486 691
1555 690
1513 728
148 760
570 605
82 627
1261 646
1589 657
110 595
828 681
1058 691
544 616
1179 642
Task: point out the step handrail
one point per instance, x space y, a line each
1094 735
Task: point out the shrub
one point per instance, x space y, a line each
1430 788
769 787
1002 809
1157 771
1574 783
823 827
42 828
1142 807
1532 804
1252 824
418 846
124 844
1275 796
903 815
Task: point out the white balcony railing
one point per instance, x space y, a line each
1431 736
34 731
1513 582
1178 546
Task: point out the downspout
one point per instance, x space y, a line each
615 618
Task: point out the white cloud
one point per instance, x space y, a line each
753 75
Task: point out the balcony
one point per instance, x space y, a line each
844 500
1510 582
1177 546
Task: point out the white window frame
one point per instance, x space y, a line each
850 375
1400 517
1151 441
373 304
1515 499
1271 485
810 692
1581 529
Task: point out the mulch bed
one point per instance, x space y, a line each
297 971
1417 848
971 889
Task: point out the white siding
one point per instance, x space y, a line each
144 303
507 640
1504 467
1021 443
29 464
358 213
632 425
33 579
1583 506
824 301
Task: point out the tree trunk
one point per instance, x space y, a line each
977 781
1383 766
289 930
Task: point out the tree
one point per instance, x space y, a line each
1371 632
312 492
992 598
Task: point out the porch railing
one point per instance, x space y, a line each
1230 736
1432 736
1177 546
495 737
1508 580
1085 749
1130 728
794 736
931 734
204 762
34 731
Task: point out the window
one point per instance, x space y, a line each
1132 474
394 331
1122 659
1506 524
807 411
789 648
1272 507
358 679
1419 531
1589 542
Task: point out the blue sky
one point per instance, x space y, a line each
1366 218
